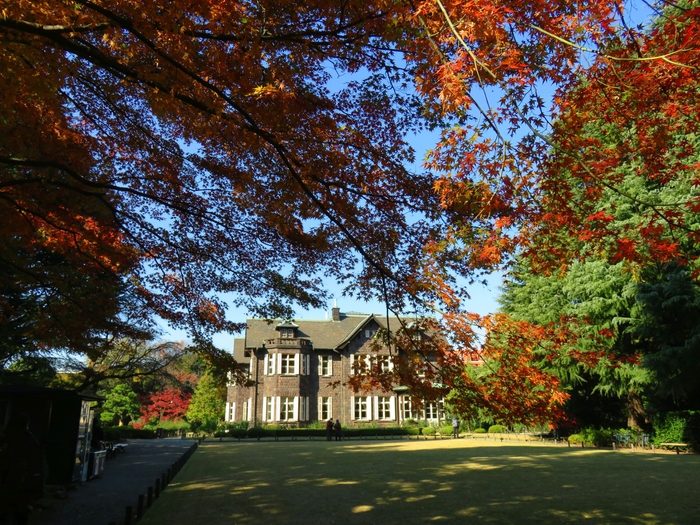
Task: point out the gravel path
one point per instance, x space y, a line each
103 500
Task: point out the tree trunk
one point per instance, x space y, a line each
636 418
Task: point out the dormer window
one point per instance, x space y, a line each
287 330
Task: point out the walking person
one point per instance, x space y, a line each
329 430
455 427
338 430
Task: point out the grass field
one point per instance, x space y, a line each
448 481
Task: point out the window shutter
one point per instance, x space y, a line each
319 408
352 407
369 407
391 364
320 366
233 411
392 407
296 363
264 413
307 365
330 365
330 407
352 364
376 407
277 407
295 411
228 406
265 364
279 363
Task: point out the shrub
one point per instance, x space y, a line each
127 432
496 429
678 427
428 431
233 430
173 424
575 439
479 430
446 431
257 432
412 431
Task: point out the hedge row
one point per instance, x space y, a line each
127 432
260 432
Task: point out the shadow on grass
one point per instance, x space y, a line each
448 482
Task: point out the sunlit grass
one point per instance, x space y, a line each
450 481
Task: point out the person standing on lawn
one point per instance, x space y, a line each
338 430
455 427
329 430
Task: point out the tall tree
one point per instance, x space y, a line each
168 404
216 147
206 406
121 405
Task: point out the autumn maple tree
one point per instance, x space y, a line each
194 149
170 404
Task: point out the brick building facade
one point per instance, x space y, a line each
298 372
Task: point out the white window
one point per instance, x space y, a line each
304 364
268 408
269 365
287 333
303 409
407 409
359 364
434 410
325 408
286 408
325 365
384 363
288 364
369 334
361 408
384 407
244 412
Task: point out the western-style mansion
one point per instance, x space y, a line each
298 372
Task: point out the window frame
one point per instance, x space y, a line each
286 408
383 409
288 362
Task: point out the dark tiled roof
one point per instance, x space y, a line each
239 350
325 334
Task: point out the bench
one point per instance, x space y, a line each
113 448
676 446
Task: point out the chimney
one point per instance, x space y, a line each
335 312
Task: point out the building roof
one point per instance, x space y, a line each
324 334
239 351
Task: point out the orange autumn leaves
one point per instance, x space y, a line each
225 147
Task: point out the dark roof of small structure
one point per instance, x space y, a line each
15 391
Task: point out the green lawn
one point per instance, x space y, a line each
447 481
